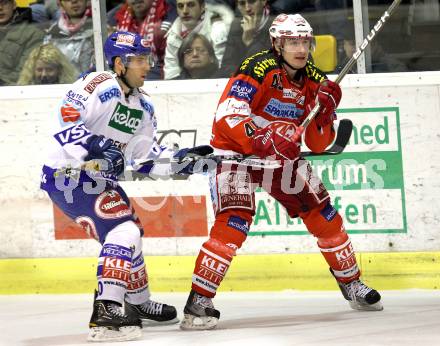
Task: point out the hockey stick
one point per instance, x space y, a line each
343 135
342 138
210 161
376 28
338 146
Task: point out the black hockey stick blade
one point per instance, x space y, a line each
342 137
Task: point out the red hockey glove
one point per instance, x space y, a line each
329 96
276 139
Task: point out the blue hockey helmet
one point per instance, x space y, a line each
125 44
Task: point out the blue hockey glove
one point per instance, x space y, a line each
101 148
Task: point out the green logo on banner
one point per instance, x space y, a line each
365 181
125 119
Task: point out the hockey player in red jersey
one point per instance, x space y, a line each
258 113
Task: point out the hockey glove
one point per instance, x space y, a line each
329 95
201 150
186 167
181 162
101 148
276 139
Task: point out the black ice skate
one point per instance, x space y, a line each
109 323
153 313
199 313
360 296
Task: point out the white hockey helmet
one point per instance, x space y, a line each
291 25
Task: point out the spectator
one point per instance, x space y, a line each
151 19
18 36
111 4
292 6
47 65
52 9
39 13
212 21
72 34
248 34
380 60
197 58
230 3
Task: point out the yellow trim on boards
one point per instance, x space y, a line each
248 273
23 3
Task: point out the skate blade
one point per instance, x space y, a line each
366 307
152 323
191 322
99 334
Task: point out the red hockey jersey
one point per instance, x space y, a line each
259 93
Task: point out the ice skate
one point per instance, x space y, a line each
199 313
153 313
360 296
109 323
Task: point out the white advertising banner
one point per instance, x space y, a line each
385 184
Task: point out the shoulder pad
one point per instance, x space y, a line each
314 73
84 75
146 104
258 65
94 79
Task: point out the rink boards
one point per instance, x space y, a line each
247 273
385 186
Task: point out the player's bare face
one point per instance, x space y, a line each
189 12
74 8
137 69
296 51
7 8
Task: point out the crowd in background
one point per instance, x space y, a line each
51 41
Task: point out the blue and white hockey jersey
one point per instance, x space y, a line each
96 104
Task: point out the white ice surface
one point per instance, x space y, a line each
410 317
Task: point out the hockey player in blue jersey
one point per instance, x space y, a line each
106 117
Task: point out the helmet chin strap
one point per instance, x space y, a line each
125 81
283 61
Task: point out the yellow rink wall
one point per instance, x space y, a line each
248 273
24 3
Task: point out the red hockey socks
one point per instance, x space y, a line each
227 235
339 254
211 266
325 223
